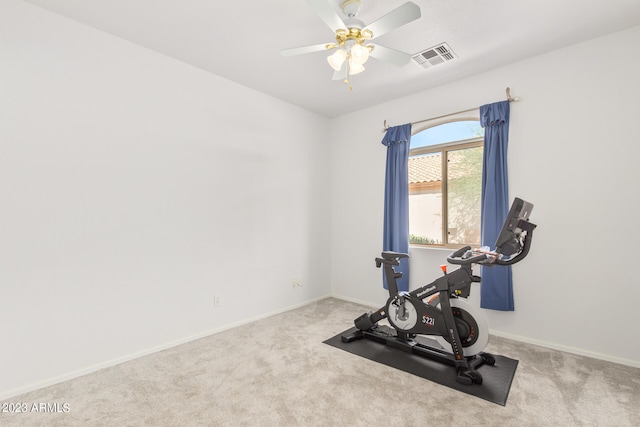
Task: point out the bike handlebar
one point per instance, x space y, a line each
457 257
459 252
466 256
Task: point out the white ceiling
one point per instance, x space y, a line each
241 40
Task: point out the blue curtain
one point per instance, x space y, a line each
396 198
496 291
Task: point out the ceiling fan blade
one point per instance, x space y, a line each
304 49
392 56
396 18
341 74
326 12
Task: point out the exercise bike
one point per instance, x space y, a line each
440 310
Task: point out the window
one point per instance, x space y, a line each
445 184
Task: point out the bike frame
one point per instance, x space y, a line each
431 320
410 316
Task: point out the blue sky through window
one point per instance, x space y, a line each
448 132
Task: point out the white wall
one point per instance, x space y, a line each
573 152
134 189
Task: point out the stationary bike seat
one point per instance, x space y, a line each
394 255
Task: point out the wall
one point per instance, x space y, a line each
134 191
573 152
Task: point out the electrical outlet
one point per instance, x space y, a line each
216 301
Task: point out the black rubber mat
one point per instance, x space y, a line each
496 379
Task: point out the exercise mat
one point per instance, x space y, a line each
496 379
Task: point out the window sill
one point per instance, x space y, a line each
433 248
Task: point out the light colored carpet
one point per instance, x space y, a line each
278 372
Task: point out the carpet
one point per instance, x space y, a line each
496 383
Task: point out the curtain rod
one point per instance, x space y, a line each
509 98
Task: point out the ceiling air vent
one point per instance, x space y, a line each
434 56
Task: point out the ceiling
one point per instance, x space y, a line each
241 40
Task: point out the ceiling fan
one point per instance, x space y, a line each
352 47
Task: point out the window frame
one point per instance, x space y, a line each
444 150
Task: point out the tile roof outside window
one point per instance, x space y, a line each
429 168
425 168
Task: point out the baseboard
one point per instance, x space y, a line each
113 362
369 304
519 338
568 349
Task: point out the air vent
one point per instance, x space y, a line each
435 55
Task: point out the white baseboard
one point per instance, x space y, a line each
107 364
113 362
568 349
356 301
559 347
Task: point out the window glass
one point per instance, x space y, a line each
445 182
464 188
425 199
447 132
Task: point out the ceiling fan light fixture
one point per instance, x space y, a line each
355 68
359 54
337 59
351 36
